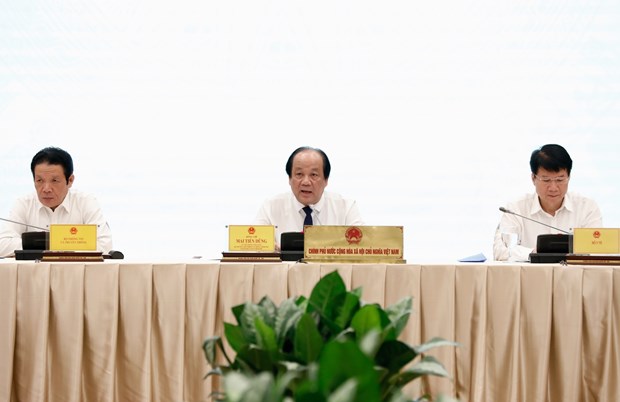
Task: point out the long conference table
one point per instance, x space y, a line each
133 331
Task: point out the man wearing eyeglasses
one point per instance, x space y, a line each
551 204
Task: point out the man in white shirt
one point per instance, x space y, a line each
551 204
53 203
308 172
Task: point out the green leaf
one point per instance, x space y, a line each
266 337
394 355
327 327
241 388
342 361
433 343
308 387
324 292
348 334
287 366
357 292
215 371
369 317
301 301
344 393
286 381
308 392
235 385
427 366
235 337
309 396
398 396
399 315
308 340
248 321
345 307
242 365
403 378
254 359
209 346
238 311
287 317
370 343
269 311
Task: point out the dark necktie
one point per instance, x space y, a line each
308 218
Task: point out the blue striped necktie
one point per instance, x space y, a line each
308 218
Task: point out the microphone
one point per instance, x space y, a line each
114 255
507 211
24 224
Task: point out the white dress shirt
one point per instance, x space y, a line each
286 213
576 212
77 208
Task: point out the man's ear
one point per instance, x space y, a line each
70 181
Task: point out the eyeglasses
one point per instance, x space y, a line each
548 180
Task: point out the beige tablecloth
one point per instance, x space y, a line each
133 331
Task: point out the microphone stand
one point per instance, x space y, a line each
24 224
533 220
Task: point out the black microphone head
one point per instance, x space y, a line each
553 243
116 255
35 240
503 209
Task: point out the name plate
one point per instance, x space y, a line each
73 237
251 238
596 241
353 244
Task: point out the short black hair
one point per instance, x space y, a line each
552 157
54 156
327 167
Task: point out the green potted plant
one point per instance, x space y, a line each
328 347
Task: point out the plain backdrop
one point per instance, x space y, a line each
180 115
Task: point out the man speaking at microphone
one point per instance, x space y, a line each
308 172
53 203
550 208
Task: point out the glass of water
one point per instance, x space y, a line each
510 235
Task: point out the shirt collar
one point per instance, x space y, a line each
567 203
319 205
316 208
65 204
